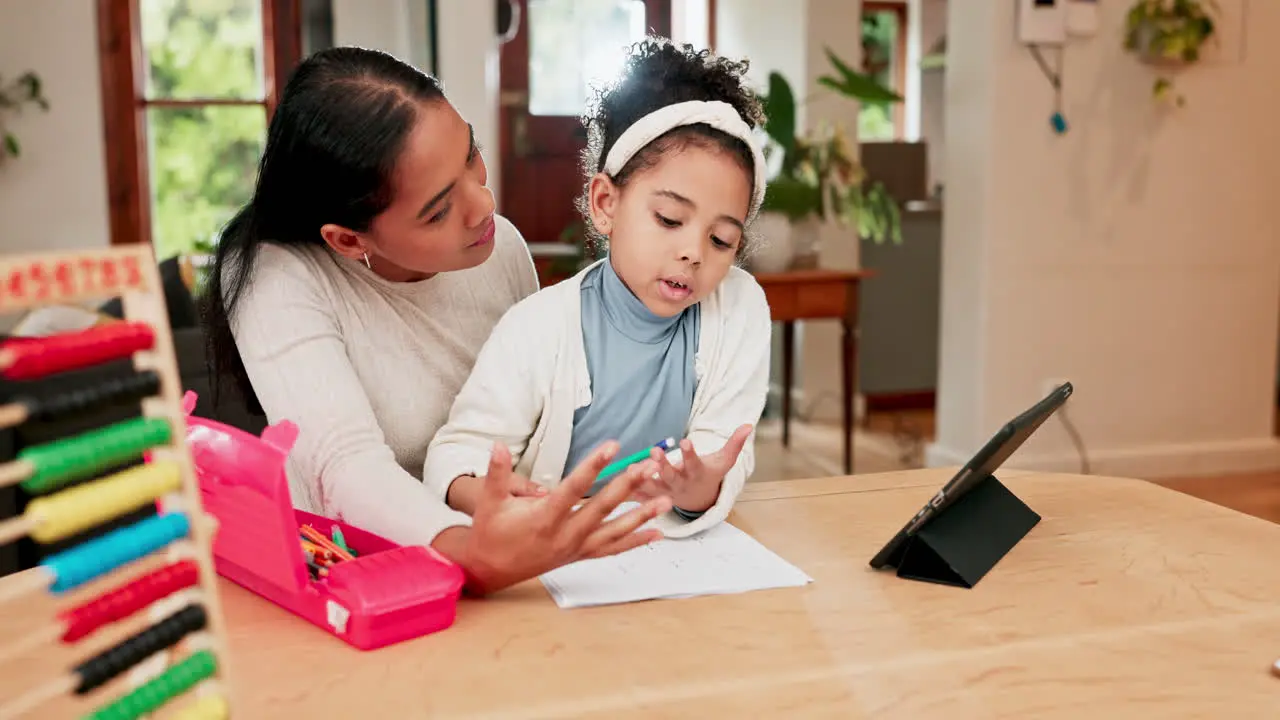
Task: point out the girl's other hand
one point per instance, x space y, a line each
692 483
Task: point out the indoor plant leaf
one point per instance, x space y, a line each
856 85
780 115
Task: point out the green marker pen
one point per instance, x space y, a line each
618 466
340 541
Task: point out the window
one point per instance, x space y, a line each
188 87
884 56
576 46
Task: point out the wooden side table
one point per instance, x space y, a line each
817 295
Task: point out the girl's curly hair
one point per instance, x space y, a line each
660 73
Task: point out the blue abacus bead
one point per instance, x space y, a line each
1059 123
82 563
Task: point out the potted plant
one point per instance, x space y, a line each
818 177
24 90
1169 34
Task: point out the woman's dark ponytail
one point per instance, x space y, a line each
232 267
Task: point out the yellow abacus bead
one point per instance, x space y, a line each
209 707
82 507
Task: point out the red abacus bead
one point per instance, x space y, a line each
127 599
37 358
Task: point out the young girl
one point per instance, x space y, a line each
666 337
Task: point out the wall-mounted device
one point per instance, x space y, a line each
1042 22
508 16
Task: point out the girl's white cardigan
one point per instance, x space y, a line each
531 375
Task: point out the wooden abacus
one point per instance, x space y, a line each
165 475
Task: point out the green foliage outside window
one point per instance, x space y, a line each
879 53
202 159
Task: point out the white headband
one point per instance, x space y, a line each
717 114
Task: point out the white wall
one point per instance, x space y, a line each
1135 255
770 34
911 93
54 196
690 22
398 27
929 24
468 57
375 24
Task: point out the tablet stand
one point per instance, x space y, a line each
964 541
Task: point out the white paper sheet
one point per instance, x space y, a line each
720 561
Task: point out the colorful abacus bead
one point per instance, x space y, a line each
84 619
28 359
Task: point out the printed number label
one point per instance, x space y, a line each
67 279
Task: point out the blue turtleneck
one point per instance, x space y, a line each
641 366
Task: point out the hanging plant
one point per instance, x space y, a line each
1169 34
25 90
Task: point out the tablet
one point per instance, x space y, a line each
985 462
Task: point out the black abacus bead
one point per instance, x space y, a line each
129 652
131 387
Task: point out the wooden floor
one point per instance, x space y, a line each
1257 494
895 441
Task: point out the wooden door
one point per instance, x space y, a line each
558 49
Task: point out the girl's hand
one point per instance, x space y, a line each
694 482
515 539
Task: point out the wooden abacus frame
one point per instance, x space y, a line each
131 273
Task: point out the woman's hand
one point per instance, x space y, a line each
464 492
512 539
694 482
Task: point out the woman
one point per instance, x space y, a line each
351 296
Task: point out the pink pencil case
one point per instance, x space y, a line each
386 594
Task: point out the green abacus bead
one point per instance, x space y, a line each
70 459
160 690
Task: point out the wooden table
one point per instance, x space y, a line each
818 295
1126 599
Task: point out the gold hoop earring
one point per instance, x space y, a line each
366 261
